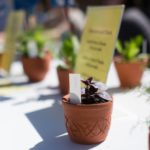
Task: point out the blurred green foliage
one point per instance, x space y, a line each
34 34
68 50
130 49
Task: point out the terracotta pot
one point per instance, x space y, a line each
63 77
129 73
36 68
87 123
148 63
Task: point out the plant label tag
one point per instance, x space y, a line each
98 41
13 28
75 88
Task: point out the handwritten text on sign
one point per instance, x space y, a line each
98 41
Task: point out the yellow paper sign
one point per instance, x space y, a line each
14 25
98 41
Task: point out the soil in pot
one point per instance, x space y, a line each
130 73
36 68
87 124
63 77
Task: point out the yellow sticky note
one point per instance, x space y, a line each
98 41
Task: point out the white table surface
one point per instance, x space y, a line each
31 115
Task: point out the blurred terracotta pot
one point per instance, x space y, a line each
87 123
129 73
148 63
63 77
36 68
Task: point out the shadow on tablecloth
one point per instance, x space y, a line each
49 123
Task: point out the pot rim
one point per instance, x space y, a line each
59 68
65 100
119 60
46 55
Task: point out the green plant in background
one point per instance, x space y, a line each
32 43
147 92
129 50
68 50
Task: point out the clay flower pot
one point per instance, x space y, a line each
129 73
87 123
36 68
63 77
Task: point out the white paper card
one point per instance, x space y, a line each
75 88
32 49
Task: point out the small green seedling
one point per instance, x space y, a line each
130 50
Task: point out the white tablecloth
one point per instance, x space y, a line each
31 116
